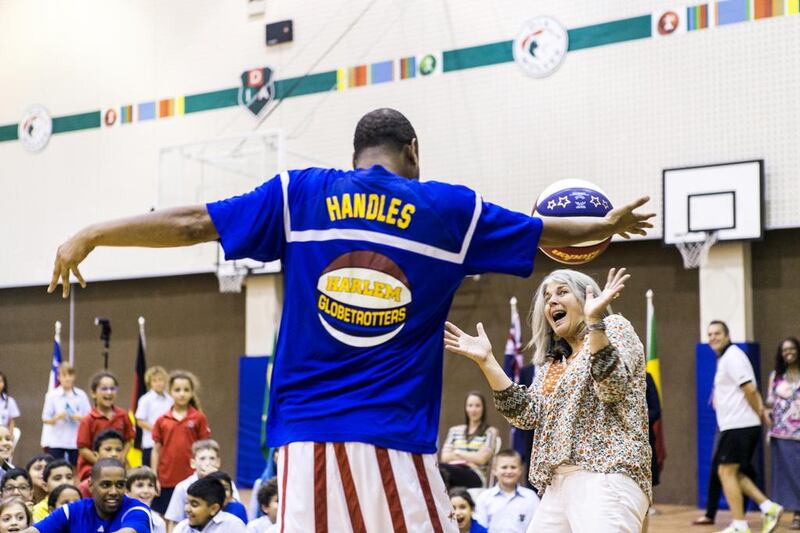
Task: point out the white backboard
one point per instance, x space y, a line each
727 198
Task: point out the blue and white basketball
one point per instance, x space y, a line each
573 198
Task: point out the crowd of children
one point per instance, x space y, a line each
179 484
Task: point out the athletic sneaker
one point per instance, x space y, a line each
770 519
731 529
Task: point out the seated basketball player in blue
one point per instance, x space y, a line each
371 258
107 511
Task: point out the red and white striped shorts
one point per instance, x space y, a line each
352 486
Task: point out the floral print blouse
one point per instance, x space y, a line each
784 398
590 412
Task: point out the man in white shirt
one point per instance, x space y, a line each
506 507
154 403
203 510
739 412
63 409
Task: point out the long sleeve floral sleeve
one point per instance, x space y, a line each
616 368
518 405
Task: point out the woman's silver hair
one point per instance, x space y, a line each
542 340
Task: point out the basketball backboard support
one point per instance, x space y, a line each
726 199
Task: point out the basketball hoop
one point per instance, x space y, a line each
230 283
695 253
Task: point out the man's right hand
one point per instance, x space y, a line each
68 257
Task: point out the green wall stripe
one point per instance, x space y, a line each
477 56
610 32
311 84
452 60
81 121
8 132
195 103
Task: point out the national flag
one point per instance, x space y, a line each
653 365
513 354
52 382
137 391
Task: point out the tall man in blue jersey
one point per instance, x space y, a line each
372 258
107 511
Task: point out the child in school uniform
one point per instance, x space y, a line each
142 484
104 415
205 460
64 408
58 472
107 445
6 449
267 498
506 507
204 510
173 435
231 505
154 403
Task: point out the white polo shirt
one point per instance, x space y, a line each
259 525
733 371
503 512
177 503
221 523
8 409
64 433
151 405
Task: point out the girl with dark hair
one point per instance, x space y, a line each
173 435
104 415
784 442
8 406
468 449
464 506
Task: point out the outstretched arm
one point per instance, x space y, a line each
177 226
623 221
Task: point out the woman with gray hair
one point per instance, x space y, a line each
590 456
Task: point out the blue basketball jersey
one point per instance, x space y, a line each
371 262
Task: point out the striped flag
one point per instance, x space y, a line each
52 382
513 360
653 365
137 391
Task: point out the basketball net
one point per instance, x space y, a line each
695 253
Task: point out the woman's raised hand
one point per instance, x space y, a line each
479 349
596 305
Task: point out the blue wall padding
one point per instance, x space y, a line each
706 366
252 384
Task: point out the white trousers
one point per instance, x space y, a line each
578 501
359 488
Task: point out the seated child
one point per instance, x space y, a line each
62 495
205 459
17 484
507 506
464 506
56 473
204 513
142 484
109 444
231 505
268 503
14 515
35 468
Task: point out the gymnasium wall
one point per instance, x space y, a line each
182 332
614 113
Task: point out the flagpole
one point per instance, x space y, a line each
649 296
141 331
57 335
72 327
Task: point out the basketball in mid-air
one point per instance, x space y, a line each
573 198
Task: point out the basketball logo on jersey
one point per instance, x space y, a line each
363 299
